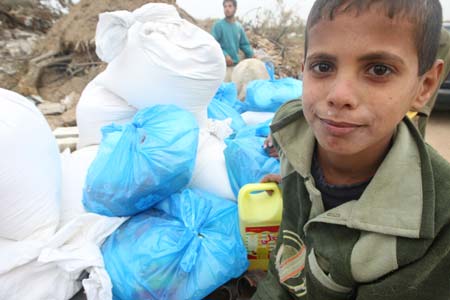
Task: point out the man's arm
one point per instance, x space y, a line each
244 44
216 32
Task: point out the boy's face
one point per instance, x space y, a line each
360 79
228 9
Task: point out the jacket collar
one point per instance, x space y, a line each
393 203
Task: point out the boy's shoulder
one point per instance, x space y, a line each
289 112
441 173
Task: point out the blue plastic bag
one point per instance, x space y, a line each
184 248
224 105
247 161
228 94
218 110
259 130
143 162
269 95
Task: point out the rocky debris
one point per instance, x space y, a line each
48 108
67 51
67 143
70 100
16 48
57 108
22 24
69 118
66 132
60 113
66 137
287 59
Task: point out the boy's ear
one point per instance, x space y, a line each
429 84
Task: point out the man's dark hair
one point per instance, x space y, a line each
232 1
425 14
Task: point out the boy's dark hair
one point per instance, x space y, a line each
232 1
425 14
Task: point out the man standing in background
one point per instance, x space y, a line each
231 36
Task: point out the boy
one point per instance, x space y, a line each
366 201
231 36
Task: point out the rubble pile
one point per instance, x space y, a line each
286 58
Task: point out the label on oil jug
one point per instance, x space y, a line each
260 241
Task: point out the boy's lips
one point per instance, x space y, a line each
338 128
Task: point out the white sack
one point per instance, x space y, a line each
210 172
254 117
75 166
57 269
156 57
245 71
30 171
99 107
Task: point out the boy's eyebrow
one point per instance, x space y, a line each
381 55
321 56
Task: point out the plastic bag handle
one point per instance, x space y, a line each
270 69
257 187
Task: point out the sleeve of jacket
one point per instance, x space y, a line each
427 278
270 288
244 44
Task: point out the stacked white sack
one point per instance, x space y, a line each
210 172
50 260
75 166
256 117
245 71
30 171
58 267
156 57
99 107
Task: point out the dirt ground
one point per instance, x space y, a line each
438 133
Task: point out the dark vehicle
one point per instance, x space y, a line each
443 98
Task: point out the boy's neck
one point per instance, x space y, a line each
350 169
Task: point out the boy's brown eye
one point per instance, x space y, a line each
322 67
380 70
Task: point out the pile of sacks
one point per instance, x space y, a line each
155 57
142 209
49 248
159 160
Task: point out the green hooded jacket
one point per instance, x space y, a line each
392 243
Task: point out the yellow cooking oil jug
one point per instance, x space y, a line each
259 220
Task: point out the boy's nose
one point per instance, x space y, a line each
342 95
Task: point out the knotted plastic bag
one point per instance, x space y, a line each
222 106
184 248
143 162
246 159
269 95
